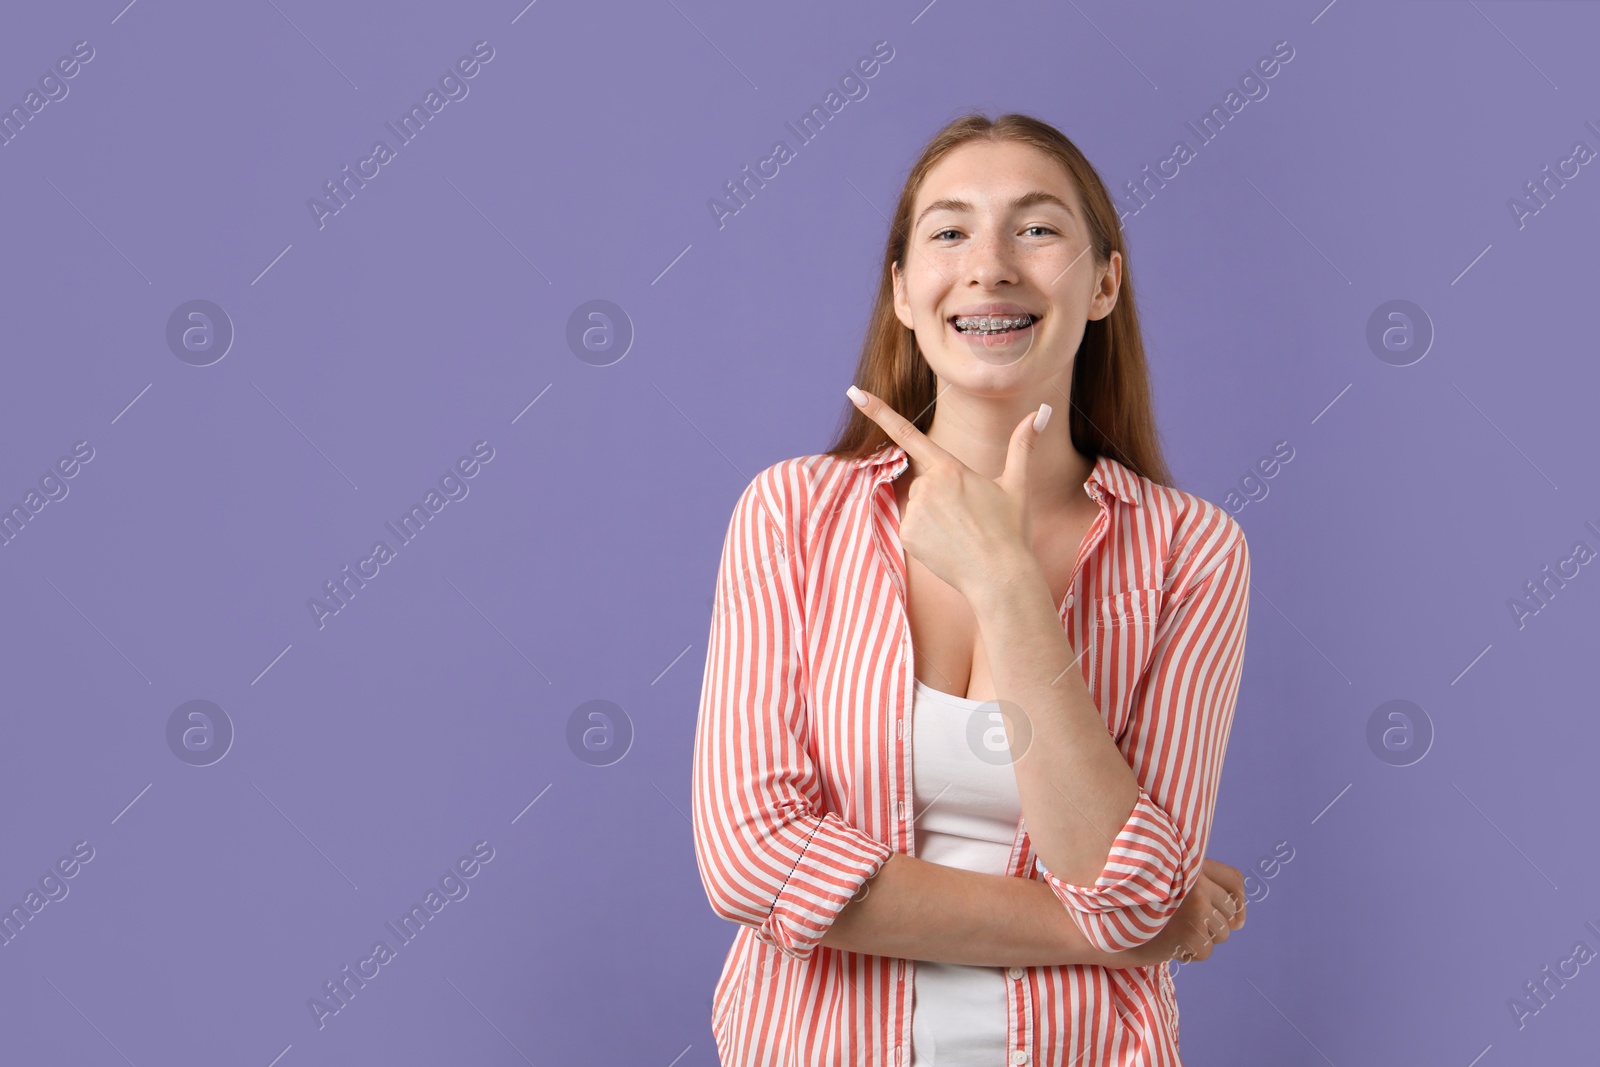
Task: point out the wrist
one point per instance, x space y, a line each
1006 580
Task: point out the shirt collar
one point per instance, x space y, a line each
891 460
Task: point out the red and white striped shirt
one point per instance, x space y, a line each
802 760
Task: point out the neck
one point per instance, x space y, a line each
978 433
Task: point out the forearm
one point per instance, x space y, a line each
1076 788
914 909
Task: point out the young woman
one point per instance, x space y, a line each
971 672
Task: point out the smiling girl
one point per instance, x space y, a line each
972 671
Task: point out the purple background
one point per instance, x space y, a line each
433 310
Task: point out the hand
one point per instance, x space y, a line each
964 527
1212 910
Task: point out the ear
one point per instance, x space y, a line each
902 305
1110 285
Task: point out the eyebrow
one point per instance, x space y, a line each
1038 196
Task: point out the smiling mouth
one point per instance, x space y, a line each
991 325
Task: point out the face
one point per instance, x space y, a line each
998 244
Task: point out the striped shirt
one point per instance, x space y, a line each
802 760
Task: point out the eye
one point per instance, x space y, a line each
944 231
1041 226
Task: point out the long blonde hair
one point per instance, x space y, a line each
1111 411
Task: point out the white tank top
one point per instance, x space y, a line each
968 809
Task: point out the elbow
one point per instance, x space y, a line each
768 924
1147 874
1119 929
743 911
740 897
1129 904
728 902
724 907
791 886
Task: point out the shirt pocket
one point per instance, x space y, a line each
1122 639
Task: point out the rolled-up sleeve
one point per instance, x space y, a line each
769 858
1175 741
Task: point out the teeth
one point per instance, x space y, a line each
991 323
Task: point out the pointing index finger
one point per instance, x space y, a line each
899 428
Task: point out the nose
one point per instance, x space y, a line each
991 258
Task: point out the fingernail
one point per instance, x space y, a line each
1040 419
857 397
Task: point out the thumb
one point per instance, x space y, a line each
1020 451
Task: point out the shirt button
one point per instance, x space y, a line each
1015 972
1018 1056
